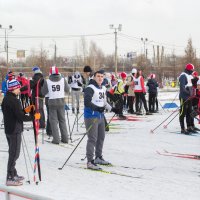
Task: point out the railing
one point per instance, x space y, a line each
9 193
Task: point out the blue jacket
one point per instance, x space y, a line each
4 87
90 108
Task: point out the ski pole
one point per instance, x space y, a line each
161 106
152 130
27 151
82 159
26 163
68 122
76 118
173 99
165 126
60 168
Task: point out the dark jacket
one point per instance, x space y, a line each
13 114
152 84
33 85
185 92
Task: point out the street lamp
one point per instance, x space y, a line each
119 28
6 39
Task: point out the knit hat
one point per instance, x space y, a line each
195 74
152 76
112 77
37 70
123 75
134 71
13 84
189 67
21 74
54 70
87 69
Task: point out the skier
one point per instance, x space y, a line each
185 96
95 103
24 96
55 87
76 82
87 75
131 94
140 93
195 100
13 122
38 76
152 90
118 94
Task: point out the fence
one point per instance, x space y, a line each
9 193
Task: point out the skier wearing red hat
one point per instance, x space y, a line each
185 96
140 93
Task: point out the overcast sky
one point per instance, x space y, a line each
164 22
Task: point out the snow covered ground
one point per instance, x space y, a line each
128 143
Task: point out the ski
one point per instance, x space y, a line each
65 145
182 154
127 119
194 157
126 167
36 126
107 172
178 132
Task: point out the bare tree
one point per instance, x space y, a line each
84 50
190 53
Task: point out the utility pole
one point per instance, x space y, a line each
6 40
154 56
55 54
119 28
144 40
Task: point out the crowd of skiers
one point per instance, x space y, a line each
102 91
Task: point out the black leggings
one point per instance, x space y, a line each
185 111
14 143
140 96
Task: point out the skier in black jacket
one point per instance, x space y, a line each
33 85
152 85
13 123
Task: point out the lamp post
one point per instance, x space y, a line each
119 28
6 39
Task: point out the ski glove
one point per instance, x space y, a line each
115 110
29 108
37 116
100 109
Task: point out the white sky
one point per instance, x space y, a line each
166 22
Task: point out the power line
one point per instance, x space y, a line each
54 36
